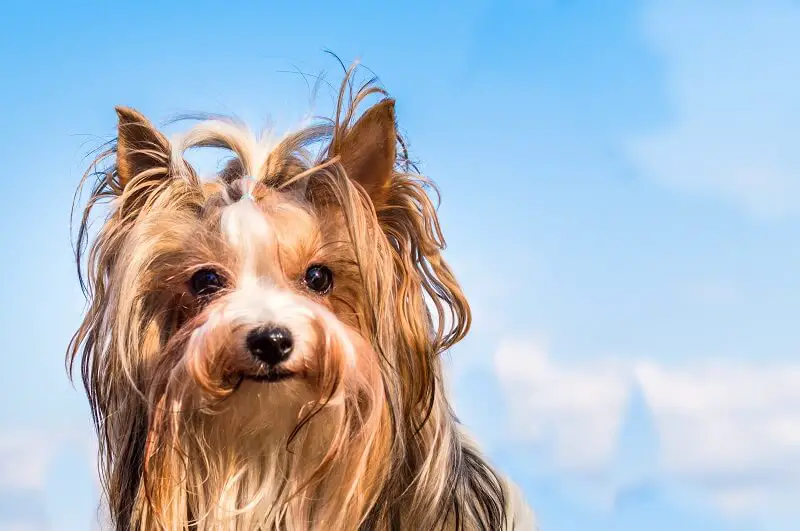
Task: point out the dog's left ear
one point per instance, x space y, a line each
141 147
369 148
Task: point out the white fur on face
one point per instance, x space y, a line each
261 296
248 232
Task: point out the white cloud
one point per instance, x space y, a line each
26 455
25 458
728 430
23 509
732 79
573 410
732 429
22 526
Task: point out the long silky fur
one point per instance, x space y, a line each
396 457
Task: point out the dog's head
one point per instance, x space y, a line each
252 334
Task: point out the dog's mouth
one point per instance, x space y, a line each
269 374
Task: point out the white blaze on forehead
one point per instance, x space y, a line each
248 232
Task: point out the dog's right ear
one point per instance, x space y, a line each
141 149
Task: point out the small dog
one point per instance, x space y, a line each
262 349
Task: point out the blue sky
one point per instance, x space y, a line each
621 190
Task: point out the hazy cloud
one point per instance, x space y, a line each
732 79
574 410
730 430
22 510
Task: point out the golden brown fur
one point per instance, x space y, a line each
362 436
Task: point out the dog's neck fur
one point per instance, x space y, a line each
440 482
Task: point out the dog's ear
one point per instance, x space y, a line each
140 146
369 148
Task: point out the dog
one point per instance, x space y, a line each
261 349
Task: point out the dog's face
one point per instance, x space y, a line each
276 279
259 287
252 283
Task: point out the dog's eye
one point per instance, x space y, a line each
205 282
319 279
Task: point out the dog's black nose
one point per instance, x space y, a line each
271 345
